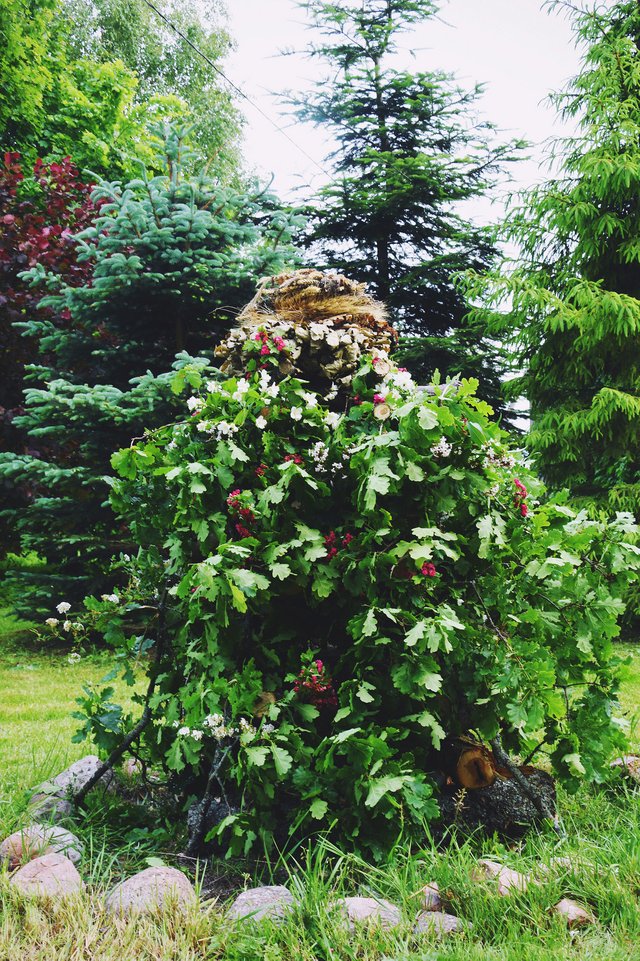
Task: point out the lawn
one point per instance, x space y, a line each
37 691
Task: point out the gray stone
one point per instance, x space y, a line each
50 807
38 839
439 924
73 778
373 911
431 900
271 901
51 875
151 890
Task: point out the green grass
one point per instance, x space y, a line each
37 691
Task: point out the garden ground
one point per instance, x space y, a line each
37 691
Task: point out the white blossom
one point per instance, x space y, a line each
74 657
268 728
225 429
442 449
213 386
67 626
401 379
197 735
332 418
242 388
194 403
184 732
52 621
63 607
203 425
112 598
261 422
296 413
311 400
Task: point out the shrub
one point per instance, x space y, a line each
326 595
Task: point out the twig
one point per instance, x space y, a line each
145 717
196 839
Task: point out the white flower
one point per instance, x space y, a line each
213 720
268 728
197 735
194 403
67 626
272 391
241 390
183 732
112 598
401 379
332 418
261 422
311 399
175 724
77 626
224 429
296 413
52 621
73 657
442 449
213 386
63 607
203 426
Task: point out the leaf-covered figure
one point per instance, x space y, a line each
324 595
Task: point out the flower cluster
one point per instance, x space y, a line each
314 686
267 344
497 456
520 496
241 507
428 569
331 541
442 449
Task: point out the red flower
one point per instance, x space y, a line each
379 398
429 570
242 531
294 457
346 540
260 470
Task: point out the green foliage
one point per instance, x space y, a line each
334 593
65 96
409 150
172 258
571 303
164 64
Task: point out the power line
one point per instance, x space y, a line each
237 89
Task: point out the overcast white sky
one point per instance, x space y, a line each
518 50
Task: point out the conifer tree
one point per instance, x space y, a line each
171 258
409 149
571 303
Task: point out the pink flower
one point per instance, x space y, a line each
429 570
379 398
264 350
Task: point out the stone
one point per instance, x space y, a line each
628 765
151 890
508 879
438 924
374 911
271 901
132 767
52 875
38 839
431 900
50 807
73 778
574 913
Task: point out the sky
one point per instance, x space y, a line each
518 50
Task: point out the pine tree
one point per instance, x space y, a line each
571 303
172 258
409 149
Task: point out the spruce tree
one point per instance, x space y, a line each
171 257
409 150
571 303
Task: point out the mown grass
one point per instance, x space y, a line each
37 692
